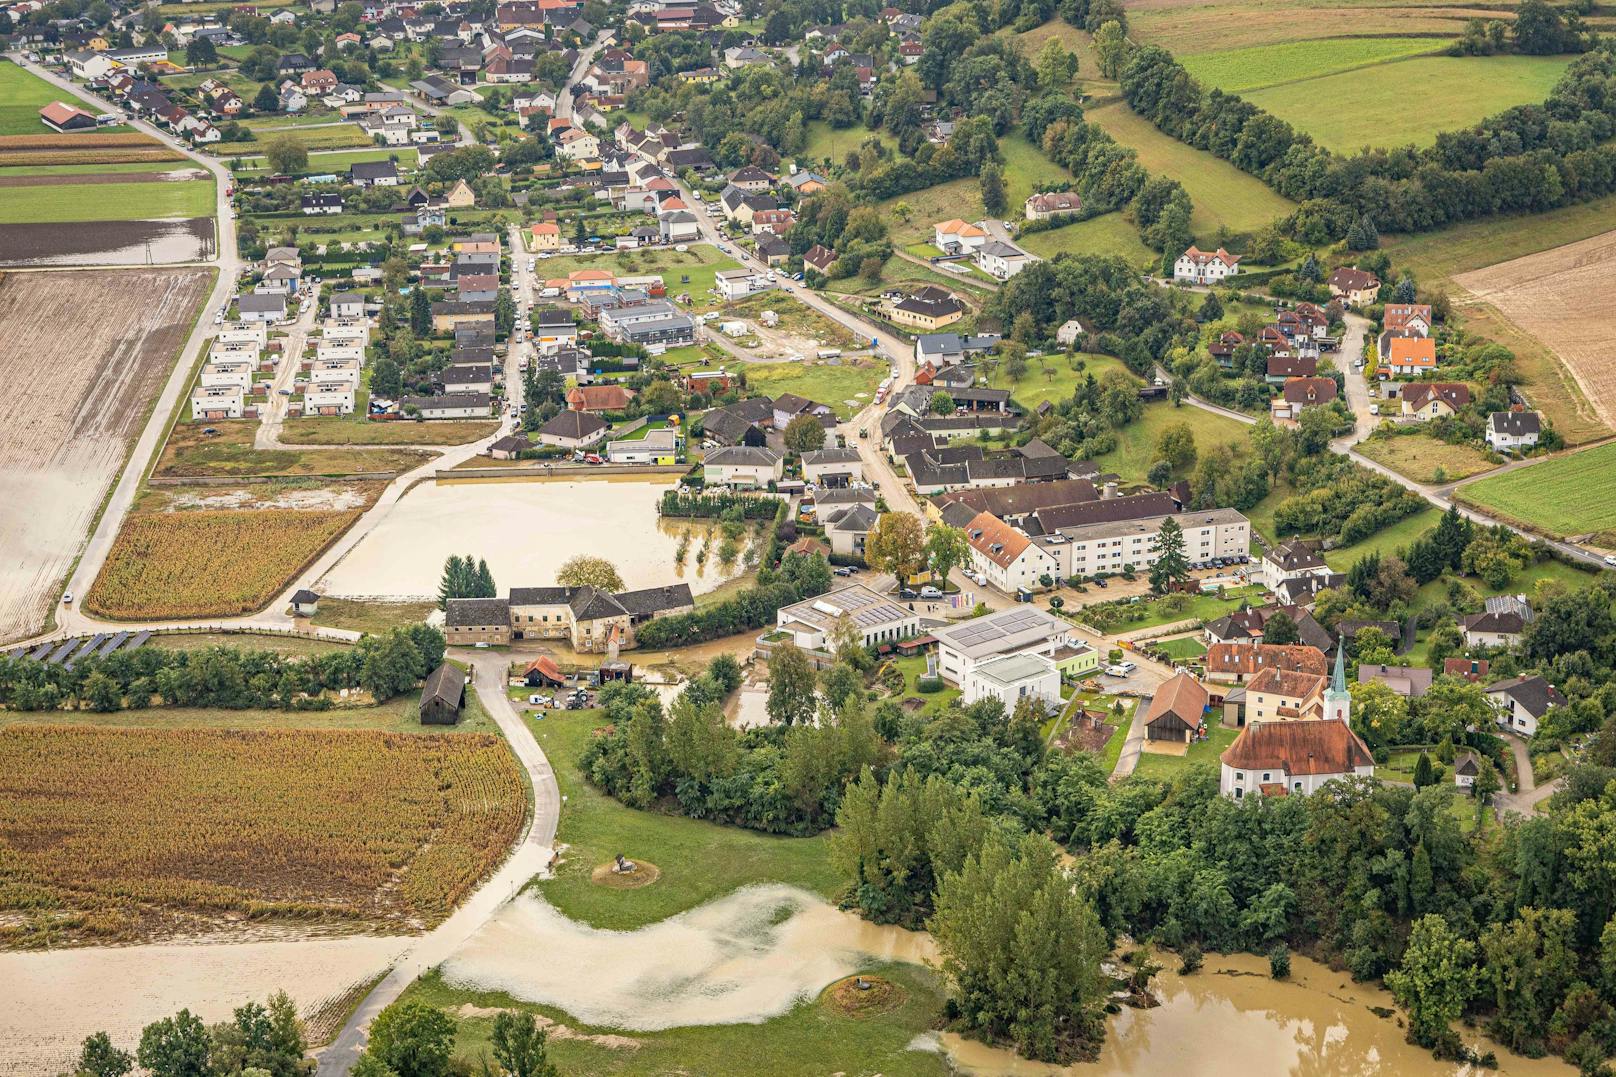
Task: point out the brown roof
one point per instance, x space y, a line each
1182 697
1022 497
1292 366
1287 682
1249 658
1398 315
1347 279
1471 669
1322 747
995 539
610 397
1454 394
1310 390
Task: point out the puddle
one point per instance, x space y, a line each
741 959
107 242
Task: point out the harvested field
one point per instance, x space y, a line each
1427 459
73 156
63 438
192 454
133 833
202 563
1562 297
107 242
1187 29
82 140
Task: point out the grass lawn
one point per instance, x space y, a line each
401 714
1185 647
1420 457
1454 92
1053 377
812 1039
640 433
190 641
328 161
913 668
231 452
1026 170
325 136
1570 576
107 201
1149 612
1113 745
1386 540
1240 70
1162 767
22 95
825 142
701 263
1566 495
1136 442
355 429
370 616
700 861
1109 233
846 388
1224 196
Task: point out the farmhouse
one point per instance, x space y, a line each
590 619
1435 399
1277 758
1512 431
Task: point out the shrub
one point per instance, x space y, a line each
1279 962
929 685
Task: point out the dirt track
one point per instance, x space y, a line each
85 353
1564 299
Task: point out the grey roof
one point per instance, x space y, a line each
260 304
591 604
743 456
476 612
540 596
1000 633
829 456
574 424
653 600
1504 622
1532 692
449 400
1516 423
858 519
1412 681
445 684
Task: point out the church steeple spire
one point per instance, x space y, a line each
1337 700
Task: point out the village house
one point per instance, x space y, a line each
573 430
1410 682
818 258
1001 260
1473 670
1289 561
1354 287
217 402
879 619
1521 703
1041 207
1236 663
1409 356
958 237
1013 679
1005 557
606 397
448 406
1177 711
743 467
832 467
1205 267
848 528
1434 399
928 309
1280 758
1300 393
1513 431
1407 319
1466 769
737 284
1282 695
1500 627
261 307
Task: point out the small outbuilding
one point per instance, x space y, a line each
1178 710
543 672
443 696
305 603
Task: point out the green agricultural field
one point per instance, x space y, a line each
1188 30
1371 106
1136 442
700 861
93 170
1055 376
1245 69
1225 197
1110 233
701 263
325 136
1568 495
107 201
23 94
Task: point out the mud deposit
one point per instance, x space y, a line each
741 959
107 242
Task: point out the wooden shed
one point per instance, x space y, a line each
443 696
1178 710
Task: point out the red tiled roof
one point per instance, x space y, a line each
1321 747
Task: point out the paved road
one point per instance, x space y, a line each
529 858
268 435
173 393
564 99
1527 793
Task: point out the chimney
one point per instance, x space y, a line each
1110 490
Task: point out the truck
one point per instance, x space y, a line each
829 353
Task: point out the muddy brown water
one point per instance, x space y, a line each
1232 1019
107 242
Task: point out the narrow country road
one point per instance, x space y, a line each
1527 793
529 858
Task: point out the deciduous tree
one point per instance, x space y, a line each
897 545
791 686
585 570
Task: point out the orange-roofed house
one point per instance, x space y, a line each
608 397
583 281
1280 758
957 236
546 236
1406 356
1205 267
1285 695
1007 558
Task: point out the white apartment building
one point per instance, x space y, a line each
236 372
329 398
332 371
244 333
1025 629
1090 549
1012 678
217 402
1005 557
879 618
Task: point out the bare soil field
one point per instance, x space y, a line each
80 389
106 242
1562 297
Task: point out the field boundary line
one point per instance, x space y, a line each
1340 70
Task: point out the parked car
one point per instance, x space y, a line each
929 591
540 701
67 597
842 570
1609 559
1121 669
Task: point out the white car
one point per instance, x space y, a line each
929 591
540 701
67 597
1121 669
1609 559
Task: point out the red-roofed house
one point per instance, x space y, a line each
1409 355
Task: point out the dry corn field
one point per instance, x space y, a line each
125 834
80 140
201 564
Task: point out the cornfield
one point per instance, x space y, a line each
199 564
130 833
81 140
129 156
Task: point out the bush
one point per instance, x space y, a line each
929 685
1189 959
1279 962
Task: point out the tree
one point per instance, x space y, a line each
1435 979
1020 949
897 545
991 179
661 397
1211 308
1171 565
584 570
946 548
941 403
1111 46
1423 774
1176 445
175 1047
804 434
1279 961
411 1039
792 685
98 1058
520 1046
870 268
286 155
201 52
465 577
265 100
1281 628
420 312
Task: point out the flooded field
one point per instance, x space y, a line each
1233 1020
51 1000
741 959
107 242
526 531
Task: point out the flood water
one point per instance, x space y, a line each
1232 1019
526 530
743 958
154 242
